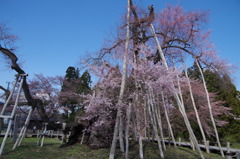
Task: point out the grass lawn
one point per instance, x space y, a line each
50 150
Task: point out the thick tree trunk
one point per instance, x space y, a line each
210 108
74 136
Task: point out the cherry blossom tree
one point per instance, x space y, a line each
47 89
140 80
154 42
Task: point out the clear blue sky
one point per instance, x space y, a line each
54 34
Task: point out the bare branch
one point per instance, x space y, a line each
31 101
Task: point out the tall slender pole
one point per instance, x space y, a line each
158 114
210 108
123 82
127 129
138 127
195 110
179 102
154 123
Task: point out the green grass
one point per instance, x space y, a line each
235 145
50 150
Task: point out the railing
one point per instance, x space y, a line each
229 152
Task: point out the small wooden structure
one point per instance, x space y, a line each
19 78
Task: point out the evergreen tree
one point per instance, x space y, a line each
74 85
72 73
225 89
193 72
84 85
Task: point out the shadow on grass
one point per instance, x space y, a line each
50 150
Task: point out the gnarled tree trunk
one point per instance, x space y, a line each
35 103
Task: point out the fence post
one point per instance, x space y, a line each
179 142
228 147
207 148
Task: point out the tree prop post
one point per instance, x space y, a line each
23 130
11 117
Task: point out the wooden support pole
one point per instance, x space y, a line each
123 83
38 132
10 96
179 103
22 136
15 127
44 133
127 129
63 135
5 137
12 115
23 130
82 138
168 120
228 147
208 146
192 145
10 133
210 107
52 133
179 141
159 121
19 136
38 142
151 110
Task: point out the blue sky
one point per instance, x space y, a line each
54 34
